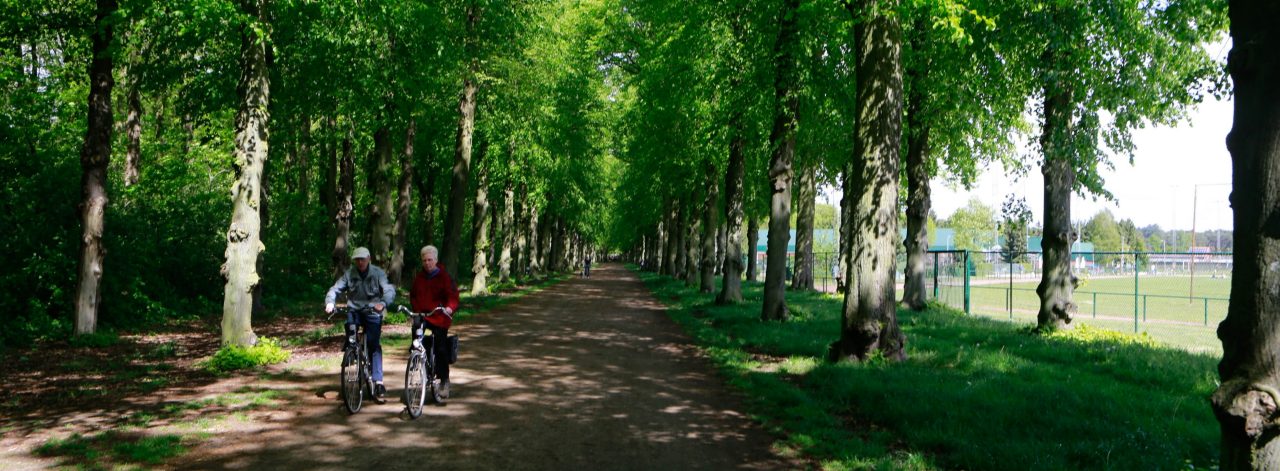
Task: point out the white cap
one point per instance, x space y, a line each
360 252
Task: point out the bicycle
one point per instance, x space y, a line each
421 369
356 376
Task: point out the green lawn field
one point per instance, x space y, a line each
1168 308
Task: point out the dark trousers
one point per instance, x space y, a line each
372 323
440 344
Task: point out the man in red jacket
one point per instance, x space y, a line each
433 288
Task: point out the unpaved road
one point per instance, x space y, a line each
587 374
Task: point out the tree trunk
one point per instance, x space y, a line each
382 209
461 173
753 241
709 231
783 142
244 238
808 194
95 156
329 194
846 226
693 246
1057 281
426 181
544 243
133 133
870 320
1246 403
304 159
480 229
344 208
396 271
918 170
508 231
722 246
671 234
531 248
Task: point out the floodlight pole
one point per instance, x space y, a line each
1195 195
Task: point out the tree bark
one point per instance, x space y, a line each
344 208
244 238
870 321
508 231
722 246
710 230
480 229
382 208
426 181
329 194
304 159
783 142
846 226
805 200
462 149
671 234
753 236
396 271
1057 281
95 156
918 170
531 251
133 133
693 246
1246 403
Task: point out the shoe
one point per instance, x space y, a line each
380 393
444 390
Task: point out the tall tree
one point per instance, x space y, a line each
782 143
95 156
806 199
1246 401
244 238
345 208
462 148
709 231
382 209
1015 216
870 320
480 228
396 270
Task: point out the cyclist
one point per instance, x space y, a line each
366 286
434 288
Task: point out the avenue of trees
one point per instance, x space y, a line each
523 136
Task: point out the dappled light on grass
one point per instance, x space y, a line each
973 394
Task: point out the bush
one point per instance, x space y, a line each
234 357
95 340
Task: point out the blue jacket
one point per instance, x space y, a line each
363 290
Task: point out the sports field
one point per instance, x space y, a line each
1168 308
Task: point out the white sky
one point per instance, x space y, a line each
1172 168
1171 165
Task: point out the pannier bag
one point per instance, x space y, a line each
453 349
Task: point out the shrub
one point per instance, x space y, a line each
234 357
95 340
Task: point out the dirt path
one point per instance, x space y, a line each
588 374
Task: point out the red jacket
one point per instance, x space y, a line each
434 290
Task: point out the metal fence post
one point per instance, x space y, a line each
1206 311
935 275
1135 296
966 282
1095 305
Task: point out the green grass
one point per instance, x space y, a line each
229 358
111 450
974 393
1163 309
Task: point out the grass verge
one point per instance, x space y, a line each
974 393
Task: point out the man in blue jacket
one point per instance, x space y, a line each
366 286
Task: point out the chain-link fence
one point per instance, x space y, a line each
1176 298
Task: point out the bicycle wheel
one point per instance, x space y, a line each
352 383
415 383
430 367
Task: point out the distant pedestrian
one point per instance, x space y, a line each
586 267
